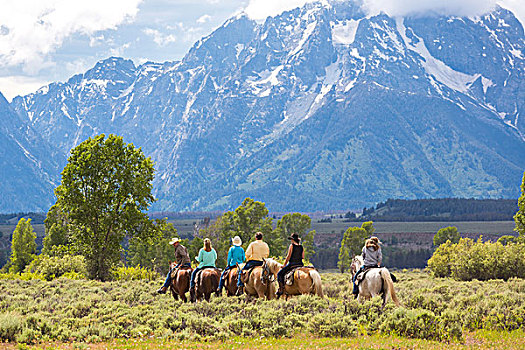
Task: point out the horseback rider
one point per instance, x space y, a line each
207 257
372 257
235 256
182 259
255 253
294 258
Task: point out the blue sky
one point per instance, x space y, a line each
42 41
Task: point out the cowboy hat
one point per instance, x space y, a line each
175 240
295 237
237 241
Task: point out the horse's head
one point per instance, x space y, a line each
356 264
271 265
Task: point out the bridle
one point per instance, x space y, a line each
267 276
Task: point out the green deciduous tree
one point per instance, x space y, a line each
23 246
294 223
352 243
105 189
250 217
56 241
153 251
446 234
519 218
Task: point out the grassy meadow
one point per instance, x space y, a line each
435 313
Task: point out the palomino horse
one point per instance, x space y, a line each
180 282
258 285
230 281
306 280
206 282
376 282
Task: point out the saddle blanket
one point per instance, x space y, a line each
290 275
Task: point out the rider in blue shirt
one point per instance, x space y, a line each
235 256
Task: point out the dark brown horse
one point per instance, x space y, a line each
230 281
180 282
206 282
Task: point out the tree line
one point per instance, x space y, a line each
441 209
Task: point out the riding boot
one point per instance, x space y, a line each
162 290
355 291
281 290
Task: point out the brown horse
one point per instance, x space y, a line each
206 282
306 280
260 283
180 282
230 281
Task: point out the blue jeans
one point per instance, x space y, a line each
284 270
168 277
249 264
221 281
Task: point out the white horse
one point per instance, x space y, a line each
376 282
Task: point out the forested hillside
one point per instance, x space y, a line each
442 209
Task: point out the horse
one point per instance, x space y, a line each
180 283
377 281
307 280
206 283
261 283
230 281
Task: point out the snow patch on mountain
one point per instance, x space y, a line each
440 71
343 32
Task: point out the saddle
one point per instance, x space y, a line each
361 275
245 275
289 278
176 271
199 273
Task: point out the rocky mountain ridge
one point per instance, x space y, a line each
321 107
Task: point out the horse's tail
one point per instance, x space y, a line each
317 285
385 274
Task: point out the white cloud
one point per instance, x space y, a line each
428 7
34 29
516 6
203 19
12 86
159 38
260 9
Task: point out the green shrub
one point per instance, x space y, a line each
468 260
134 273
10 326
55 266
333 325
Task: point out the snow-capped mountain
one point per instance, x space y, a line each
321 107
28 168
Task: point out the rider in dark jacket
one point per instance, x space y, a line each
181 258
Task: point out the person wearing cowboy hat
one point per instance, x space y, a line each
372 257
235 256
181 258
294 258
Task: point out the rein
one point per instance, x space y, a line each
267 276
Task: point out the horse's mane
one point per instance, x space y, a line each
272 264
